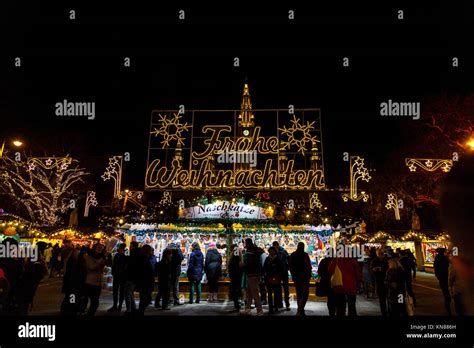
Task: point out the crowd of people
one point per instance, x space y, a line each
258 277
384 274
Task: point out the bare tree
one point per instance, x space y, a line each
43 192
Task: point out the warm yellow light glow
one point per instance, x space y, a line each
307 215
17 143
288 212
127 191
161 211
470 144
143 216
325 219
121 221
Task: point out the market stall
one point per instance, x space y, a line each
160 236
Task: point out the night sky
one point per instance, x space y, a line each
174 62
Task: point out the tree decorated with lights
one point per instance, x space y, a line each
40 188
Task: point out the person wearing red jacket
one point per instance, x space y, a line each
347 291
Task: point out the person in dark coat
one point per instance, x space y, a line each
53 265
409 266
33 273
4 292
284 257
195 271
325 284
165 270
176 259
300 268
73 284
441 268
273 268
13 270
131 278
146 278
119 270
396 285
213 269
379 267
253 272
235 274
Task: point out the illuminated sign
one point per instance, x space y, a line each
226 209
203 149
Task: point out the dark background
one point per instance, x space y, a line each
191 62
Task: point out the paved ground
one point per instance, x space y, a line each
428 294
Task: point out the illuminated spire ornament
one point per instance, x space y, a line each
357 171
298 135
171 129
392 203
246 117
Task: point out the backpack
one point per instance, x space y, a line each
336 279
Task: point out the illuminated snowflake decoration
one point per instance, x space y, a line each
297 135
171 129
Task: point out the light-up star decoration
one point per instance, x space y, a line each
171 129
90 200
166 199
392 203
357 171
314 201
298 135
429 164
114 172
48 163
